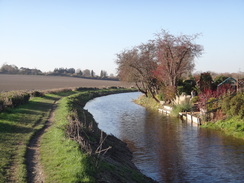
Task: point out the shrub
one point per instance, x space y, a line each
160 96
36 94
212 104
236 105
184 107
233 106
13 99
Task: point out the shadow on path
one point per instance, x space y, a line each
34 169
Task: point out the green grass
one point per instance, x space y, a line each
148 102
16 128
232 126
61 157
184 107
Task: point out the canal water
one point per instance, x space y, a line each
167 149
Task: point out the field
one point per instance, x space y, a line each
35 82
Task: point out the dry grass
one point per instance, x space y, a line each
32 82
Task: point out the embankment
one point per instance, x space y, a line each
106 158
233 126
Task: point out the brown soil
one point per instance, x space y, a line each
32 82
34 169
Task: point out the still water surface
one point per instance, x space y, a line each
167 149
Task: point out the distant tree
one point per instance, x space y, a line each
111 75
137 65
10 69
36 71
55 70
175 56
70 70
205 82
87 73
60 70
24 70
79 72
103 74
92 74
28 71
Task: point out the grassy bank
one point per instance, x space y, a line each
65 160
61 158
147 102
232 126
17 125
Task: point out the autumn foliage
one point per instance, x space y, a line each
159 64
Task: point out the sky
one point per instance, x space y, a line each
81 34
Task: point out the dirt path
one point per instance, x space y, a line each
34 169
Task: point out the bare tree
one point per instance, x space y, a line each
175 56
137 65
87 73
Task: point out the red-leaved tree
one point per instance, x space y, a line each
175 56
137 65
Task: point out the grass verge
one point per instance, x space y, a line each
232 126
61 157
16 128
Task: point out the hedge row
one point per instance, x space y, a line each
13 99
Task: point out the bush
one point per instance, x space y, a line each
36 94
236 105
160 96
233 106
212 104
184 107
13 99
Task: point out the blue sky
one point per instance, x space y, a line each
48 34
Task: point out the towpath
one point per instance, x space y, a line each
35 172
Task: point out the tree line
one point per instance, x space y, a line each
13 69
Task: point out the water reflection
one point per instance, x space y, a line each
166 149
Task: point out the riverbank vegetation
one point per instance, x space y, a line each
231 114
162 70
73 148
228 117
61 157
231 126
147 102
157 66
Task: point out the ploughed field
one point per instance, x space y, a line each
36 82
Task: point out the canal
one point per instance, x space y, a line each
167 149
